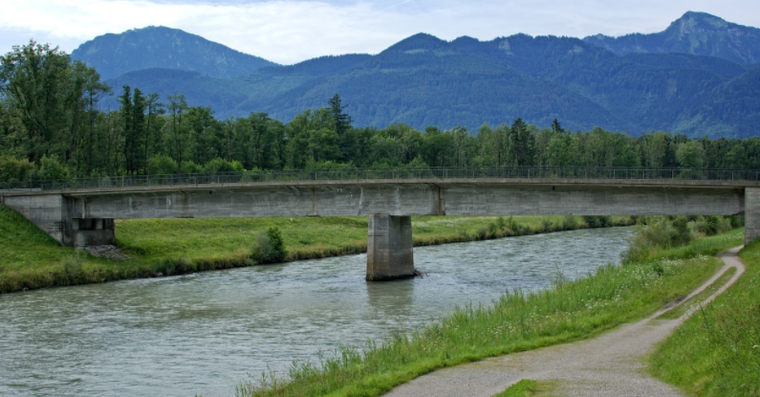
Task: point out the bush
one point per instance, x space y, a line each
712 225
659 232
682 233
569 222
269 247
594 221
72 267
546 225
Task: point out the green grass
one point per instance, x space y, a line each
685 306
516 322
527 388
29 259
717 351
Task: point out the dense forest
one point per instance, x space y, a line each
51 127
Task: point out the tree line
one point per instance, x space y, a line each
52 127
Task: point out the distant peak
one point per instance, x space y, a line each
698 14
419 41
698 20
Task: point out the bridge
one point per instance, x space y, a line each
81 212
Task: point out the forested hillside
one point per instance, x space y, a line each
680 80
51 127
158 47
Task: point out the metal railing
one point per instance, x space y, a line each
358 174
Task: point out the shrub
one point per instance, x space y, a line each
270 247
569 222
72 267
594 221
546 225
712 225
682 234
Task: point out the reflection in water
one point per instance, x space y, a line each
206 332
397 300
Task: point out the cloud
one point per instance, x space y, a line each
288 31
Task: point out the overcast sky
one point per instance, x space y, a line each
290 31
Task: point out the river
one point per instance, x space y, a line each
205 333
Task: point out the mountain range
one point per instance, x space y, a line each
700 77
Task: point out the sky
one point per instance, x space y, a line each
290 31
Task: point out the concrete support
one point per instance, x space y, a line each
751 214
90 232
389 248
52 214
47 211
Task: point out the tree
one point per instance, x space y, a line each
92 90
691 155
155 108
125 100
178 139
342 120
556 128
522 143
260 140
35 80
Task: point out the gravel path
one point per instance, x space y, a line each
612 364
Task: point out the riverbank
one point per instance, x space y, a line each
717 351
517 322
611 364
30 259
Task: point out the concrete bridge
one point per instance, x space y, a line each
79 214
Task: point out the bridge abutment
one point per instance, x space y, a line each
389 247
751 214
52 214
88 232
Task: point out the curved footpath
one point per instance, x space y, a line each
612 364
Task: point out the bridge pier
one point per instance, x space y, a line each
389 248
751 214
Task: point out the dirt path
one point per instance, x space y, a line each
609 365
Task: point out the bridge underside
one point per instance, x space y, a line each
86 218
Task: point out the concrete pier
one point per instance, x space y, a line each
389 247
751 214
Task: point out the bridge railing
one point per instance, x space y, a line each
343 174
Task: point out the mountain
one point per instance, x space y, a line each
695 33
423 80
160 47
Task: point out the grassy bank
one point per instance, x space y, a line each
30 259
717 351
517 322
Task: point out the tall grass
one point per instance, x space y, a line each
717 351
517 321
